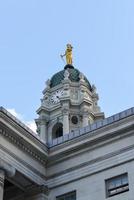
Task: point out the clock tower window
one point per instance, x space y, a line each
57 130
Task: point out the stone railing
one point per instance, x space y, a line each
92 127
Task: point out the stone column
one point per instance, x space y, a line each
2 177
43 131
85 119
65 121
5 169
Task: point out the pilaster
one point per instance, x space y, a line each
5 170
2 177
65 112
42 128
43 131
85 119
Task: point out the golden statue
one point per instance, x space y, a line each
68 54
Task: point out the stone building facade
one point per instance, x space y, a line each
77 153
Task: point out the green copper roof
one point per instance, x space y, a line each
74 76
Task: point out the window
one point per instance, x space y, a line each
74 119
57 130
67 196
117 185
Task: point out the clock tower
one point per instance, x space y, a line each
69 102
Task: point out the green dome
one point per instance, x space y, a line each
73 76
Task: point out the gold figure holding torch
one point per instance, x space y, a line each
68 54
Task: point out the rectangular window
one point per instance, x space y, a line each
117 185
67 196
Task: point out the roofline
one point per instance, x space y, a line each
21 124
92 127
77 133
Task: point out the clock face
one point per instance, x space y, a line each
55 98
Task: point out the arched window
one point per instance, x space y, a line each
57 130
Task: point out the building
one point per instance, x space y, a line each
77 153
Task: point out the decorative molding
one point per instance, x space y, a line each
8 118
78 147
107 162
3 110
21 163
65 111
22 144
7 168
81 76
66 75
35 190
77 134
94 161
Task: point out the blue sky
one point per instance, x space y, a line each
33 33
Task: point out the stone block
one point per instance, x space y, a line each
82 131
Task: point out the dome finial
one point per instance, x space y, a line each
68 54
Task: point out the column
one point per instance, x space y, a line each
43 131
5 169
65 121
2 177
85 119
37 193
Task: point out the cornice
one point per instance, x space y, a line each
19 162
48 109
4 112
92 167
93 161
88 142
20 142
13 123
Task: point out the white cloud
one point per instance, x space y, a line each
30 124
14 113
